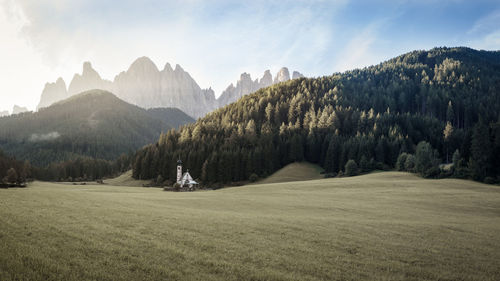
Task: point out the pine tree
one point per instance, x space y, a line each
480 161
351 168
447 132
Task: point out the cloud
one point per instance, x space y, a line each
487 23
44 137
359 51
22 71
486 32
490 41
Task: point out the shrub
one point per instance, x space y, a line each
11 176
432 172
159 181
410 163
176 187
351 168
400 163
364 164
253 177
330 175
426 160
489 180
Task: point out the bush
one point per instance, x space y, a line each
159 181
489 180
426 160
176 187
253 177
364 164
11 176
432 172
400 163
330 175
410 163
351 168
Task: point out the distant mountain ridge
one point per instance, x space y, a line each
95 123
144 85
246 85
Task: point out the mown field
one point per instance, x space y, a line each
382 226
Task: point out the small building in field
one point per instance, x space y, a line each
184 180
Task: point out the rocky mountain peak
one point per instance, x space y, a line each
245 85
168 68
178 68
267 79
89 79
282 76
245 77
53 92
143 65
296 75
18 109
87 68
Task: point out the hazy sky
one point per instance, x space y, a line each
215 41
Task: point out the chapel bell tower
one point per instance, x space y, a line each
179 170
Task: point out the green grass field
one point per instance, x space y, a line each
383 226
298 171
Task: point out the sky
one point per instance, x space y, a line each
215 41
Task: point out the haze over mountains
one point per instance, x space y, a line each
16 109
144 85
93 124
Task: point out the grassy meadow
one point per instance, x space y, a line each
298 171
381 226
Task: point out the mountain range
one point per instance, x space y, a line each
15 110
144 85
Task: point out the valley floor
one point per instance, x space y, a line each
383 226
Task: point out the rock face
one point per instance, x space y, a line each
282 75
18 109
53 92
89 80
246 85
144 85
296 75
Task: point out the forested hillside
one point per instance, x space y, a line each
12 171
94 124
448 97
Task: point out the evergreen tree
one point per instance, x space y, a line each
11 176
351 168
400 163
480 161
426 160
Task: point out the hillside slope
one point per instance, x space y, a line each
368 115
94 123
297 171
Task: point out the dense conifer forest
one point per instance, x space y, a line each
412 113
94 124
